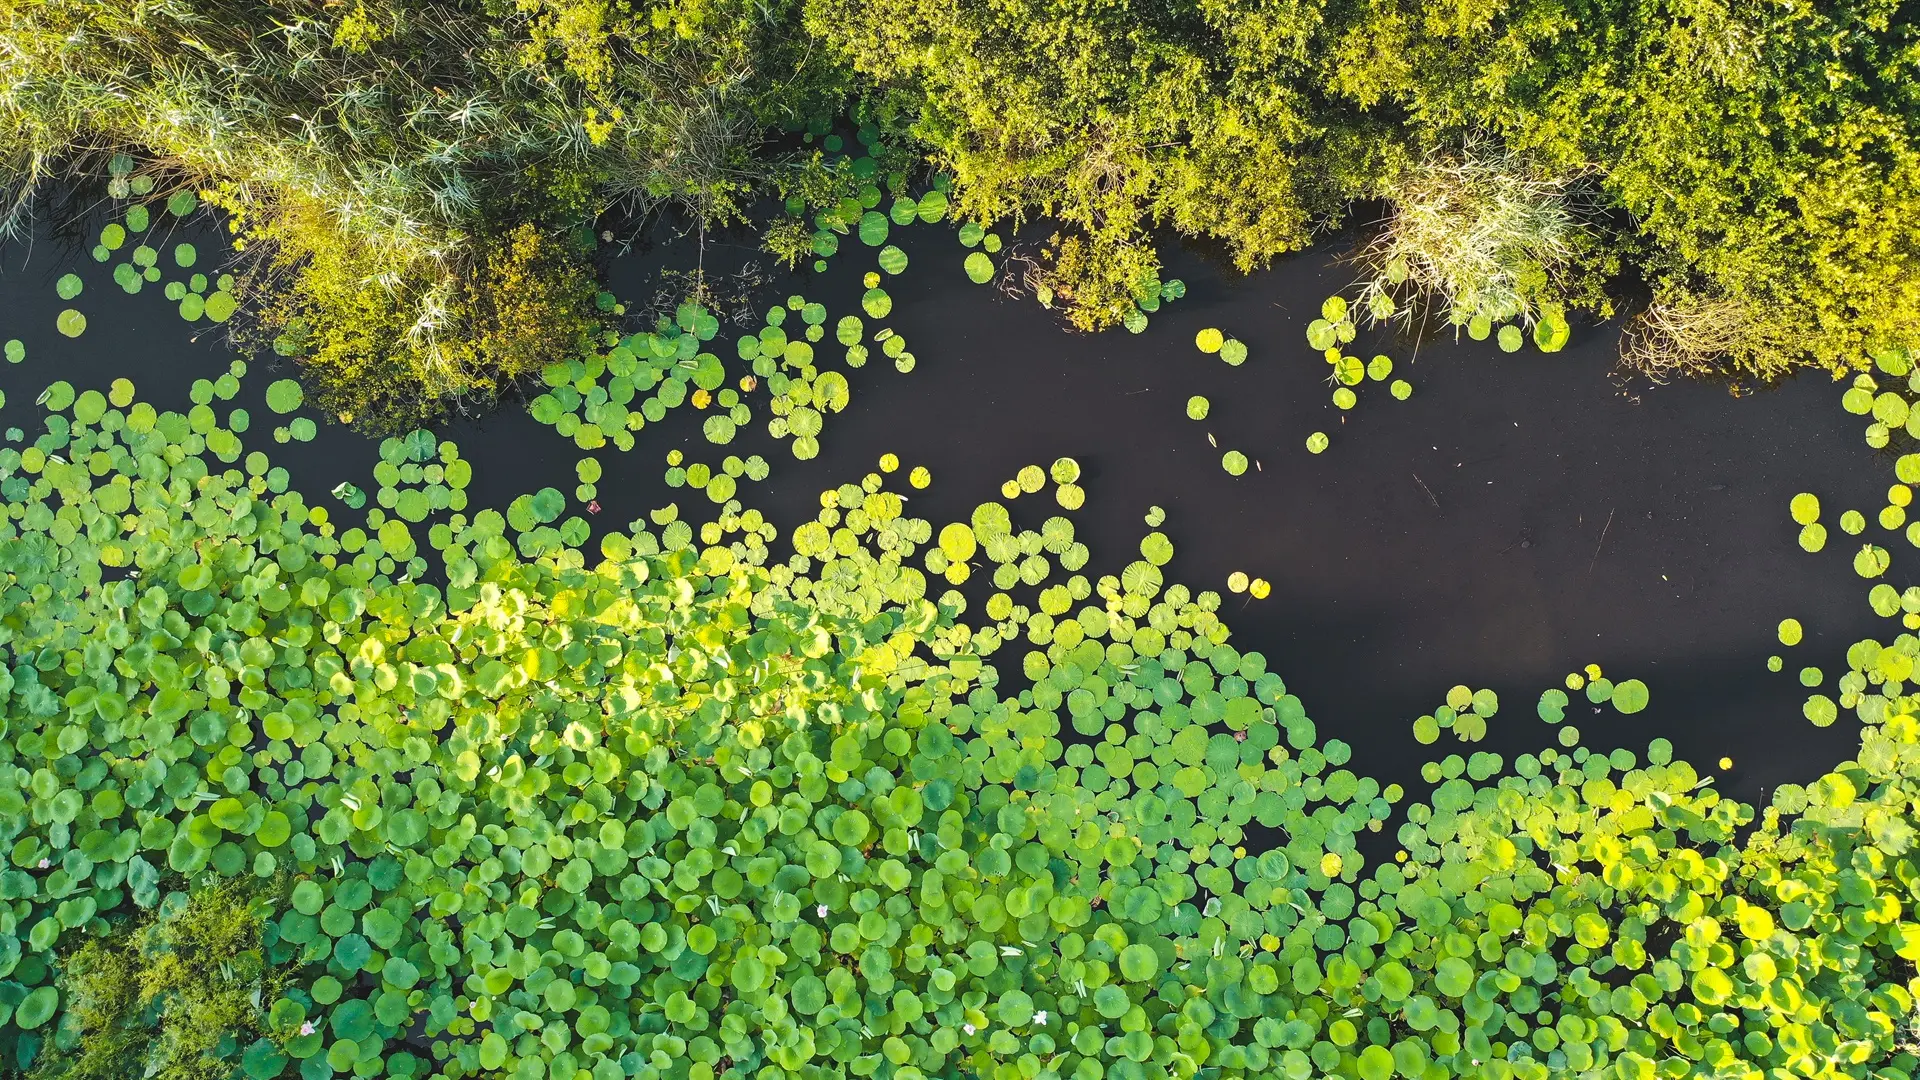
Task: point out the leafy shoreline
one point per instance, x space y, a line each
457 157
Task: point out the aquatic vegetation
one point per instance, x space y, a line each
173 994
1465 713
1258 588
1481 238
1337 327
459 791
676 798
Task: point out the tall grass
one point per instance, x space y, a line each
390 141
1474 231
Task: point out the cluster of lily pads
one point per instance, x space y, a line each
720 484
199 296
661 364
1503 321
671 809
664 362
1336 327
803 395
675 809
1879 674
868 182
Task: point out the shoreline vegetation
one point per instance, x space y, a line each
413 187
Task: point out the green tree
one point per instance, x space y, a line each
1112 118
1764 155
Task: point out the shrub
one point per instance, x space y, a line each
1685 334
1108 119
1766 158
384 147
389 348
1477 233
788 240
174 996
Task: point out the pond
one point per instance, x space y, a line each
1518 517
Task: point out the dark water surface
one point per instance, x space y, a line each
1521 516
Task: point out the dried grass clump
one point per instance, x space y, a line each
1687 334
1475 232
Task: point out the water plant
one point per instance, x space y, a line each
720 794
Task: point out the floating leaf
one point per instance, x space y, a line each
1630 696
1871 561
284 396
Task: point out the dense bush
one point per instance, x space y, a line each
1765 155
1112 118
392 350
381 153
1753 167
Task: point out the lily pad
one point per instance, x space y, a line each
284 396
